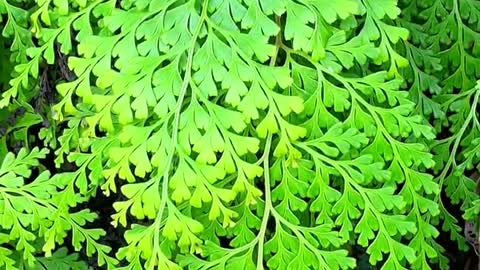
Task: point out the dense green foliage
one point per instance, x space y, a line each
238 134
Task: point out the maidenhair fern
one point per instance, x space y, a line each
237 134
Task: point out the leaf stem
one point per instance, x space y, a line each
278 42
268 203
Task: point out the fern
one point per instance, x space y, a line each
228 108
238 134
35 214
452 38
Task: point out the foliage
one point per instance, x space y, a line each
238 134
